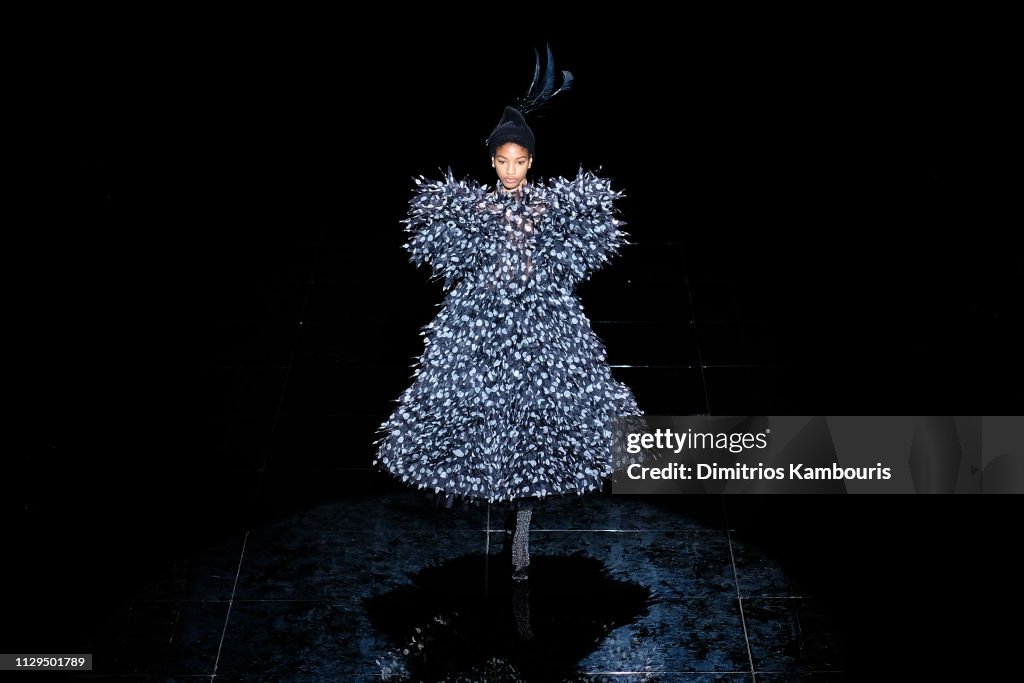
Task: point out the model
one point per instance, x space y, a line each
512 398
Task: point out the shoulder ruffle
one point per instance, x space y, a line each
586 224
445 226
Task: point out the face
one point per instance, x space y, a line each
511 161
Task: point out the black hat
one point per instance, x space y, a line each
511 128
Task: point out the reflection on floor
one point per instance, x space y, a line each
388 588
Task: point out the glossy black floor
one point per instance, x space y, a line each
227 314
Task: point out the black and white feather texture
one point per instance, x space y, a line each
513 395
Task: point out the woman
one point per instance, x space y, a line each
513 396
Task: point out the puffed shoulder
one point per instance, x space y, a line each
444 225
586 224
432 197
586 194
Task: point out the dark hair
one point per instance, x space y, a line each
511 128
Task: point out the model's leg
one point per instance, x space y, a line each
521 541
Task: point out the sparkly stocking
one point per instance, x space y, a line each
521 542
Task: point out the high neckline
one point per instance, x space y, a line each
517 193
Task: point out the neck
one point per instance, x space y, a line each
522 184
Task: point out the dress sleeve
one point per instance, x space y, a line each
445 225
588 231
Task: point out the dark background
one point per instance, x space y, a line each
183 182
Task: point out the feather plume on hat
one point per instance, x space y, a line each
513 127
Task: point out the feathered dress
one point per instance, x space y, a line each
512 397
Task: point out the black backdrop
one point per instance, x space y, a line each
167 163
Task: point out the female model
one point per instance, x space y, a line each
512 397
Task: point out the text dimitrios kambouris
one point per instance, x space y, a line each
759 471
